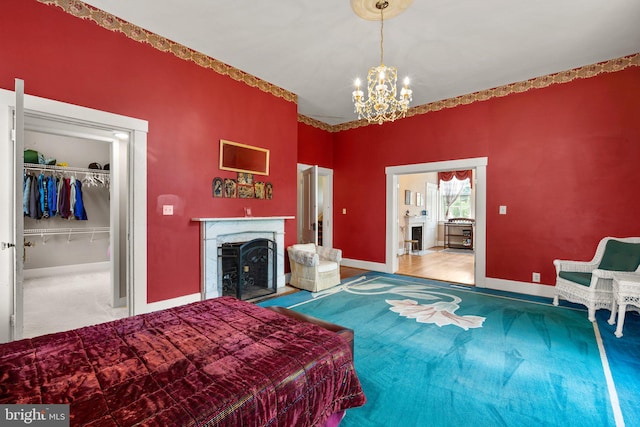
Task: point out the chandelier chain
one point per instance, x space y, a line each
381 35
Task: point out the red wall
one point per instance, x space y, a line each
189 109
563 159
315 146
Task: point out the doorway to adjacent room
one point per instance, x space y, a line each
425 248
394 219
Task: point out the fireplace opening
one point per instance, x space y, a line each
248 269
416 234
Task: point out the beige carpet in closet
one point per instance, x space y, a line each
64 302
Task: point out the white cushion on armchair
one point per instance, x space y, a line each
313 267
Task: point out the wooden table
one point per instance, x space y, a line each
626 290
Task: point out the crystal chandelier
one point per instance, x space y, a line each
382 105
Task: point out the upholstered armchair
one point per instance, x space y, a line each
314 267
590 282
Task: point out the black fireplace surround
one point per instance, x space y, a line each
248 269
416 234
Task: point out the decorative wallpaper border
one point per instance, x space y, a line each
110 22
113 23
317 123
587 71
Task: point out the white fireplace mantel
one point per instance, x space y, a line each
216 231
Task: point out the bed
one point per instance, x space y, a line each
218 362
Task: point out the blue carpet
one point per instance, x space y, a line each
432 354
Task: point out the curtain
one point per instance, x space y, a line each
459 175
450 191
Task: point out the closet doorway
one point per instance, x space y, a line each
127 188
74 256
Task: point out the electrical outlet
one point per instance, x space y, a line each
535 277
167 209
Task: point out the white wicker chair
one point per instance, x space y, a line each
313 267
595 289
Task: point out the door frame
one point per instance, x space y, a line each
392 223
117 140
136 217
327 207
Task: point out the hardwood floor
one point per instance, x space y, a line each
437 265
346 272
456 267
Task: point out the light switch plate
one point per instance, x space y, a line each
503 210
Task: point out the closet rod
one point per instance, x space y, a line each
38 167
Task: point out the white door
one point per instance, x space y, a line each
310 205
432 216
18 231
11 261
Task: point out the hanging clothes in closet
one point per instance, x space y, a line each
50 196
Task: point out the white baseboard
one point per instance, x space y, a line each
535 289
62 270
526 288
364 265
169 303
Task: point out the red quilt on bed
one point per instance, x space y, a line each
220 362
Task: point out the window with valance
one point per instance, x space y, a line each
455 193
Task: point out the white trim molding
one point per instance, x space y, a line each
363 265
535 289
137 190
169 303
480 237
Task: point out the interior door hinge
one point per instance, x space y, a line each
13 135
12 320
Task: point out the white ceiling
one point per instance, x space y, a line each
448 48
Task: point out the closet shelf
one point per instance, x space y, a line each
41 232
59 230
38 167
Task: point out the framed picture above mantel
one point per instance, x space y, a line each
243 158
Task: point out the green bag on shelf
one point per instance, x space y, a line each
32 156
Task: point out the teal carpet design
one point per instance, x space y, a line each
434 354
